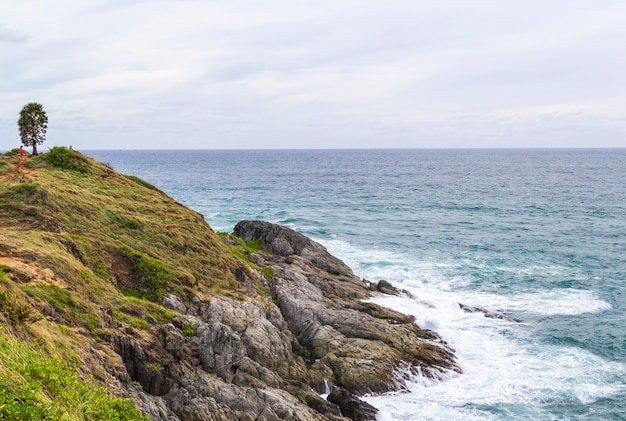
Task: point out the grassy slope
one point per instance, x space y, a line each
84 249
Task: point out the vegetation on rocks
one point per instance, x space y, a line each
35 385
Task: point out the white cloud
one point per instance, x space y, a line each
190 74
8 35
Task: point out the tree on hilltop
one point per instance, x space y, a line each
33 124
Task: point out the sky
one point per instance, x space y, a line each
249 74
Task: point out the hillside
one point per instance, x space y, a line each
84 250
117 300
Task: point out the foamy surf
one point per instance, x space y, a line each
504 371
507 373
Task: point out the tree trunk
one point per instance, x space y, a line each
34 148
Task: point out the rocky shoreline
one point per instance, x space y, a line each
272 359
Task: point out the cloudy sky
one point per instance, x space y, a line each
202 74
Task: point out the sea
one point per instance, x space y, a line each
537 235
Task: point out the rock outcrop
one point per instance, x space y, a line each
269 359
351 406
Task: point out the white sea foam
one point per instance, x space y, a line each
501 367
507 374
432 277
551 302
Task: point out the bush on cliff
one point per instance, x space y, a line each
67 159
36 386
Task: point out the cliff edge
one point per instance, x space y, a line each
178 322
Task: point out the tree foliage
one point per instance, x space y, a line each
33 124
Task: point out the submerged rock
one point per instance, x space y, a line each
487 313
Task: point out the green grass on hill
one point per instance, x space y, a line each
86 249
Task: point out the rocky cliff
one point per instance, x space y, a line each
254 325
271 359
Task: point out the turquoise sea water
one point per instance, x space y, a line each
539 235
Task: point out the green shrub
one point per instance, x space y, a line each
160 314
91 321
238 253
254 245
84 273
99 268
152 271
14 152
13 308
139 323
129 292
53 294
189 330
4 272
268 271
249 246
67 159
34 386
124 221
136 322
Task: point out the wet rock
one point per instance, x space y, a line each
351 406
386 288
487 313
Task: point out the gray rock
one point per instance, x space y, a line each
174 303
361 344
351 406
386 288
255 360
283 241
